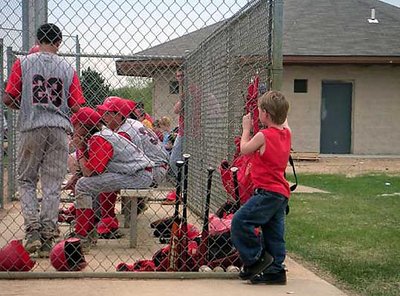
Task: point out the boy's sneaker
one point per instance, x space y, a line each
33 241
112 234
278 278
249 272
86 241
45 249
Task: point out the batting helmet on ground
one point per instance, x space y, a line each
14 257
67 255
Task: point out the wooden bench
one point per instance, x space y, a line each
129 208
308 156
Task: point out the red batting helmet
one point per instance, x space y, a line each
14 257
67 255
34 49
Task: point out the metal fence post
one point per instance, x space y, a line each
78 56
277 56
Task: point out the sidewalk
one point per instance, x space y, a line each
301 282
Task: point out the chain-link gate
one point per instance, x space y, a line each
134 63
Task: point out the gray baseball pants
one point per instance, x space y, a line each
42 155
87 188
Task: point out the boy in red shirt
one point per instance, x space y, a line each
270 149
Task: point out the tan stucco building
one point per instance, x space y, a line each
347 67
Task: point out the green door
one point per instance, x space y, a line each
336 117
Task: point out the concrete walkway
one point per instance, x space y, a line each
301 282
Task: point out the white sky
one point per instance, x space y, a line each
105 29
393 2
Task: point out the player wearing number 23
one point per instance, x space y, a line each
45 88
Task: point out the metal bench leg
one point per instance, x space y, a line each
133 222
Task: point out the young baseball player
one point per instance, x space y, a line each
266 207
115 112
109 162
165 125
45 88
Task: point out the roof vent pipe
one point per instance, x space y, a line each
373 20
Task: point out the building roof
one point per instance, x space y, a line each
340 28
178 46
323 31
166 55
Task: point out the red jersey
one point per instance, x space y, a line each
181 124
100 153
267 170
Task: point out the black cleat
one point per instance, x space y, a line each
249 272
278 278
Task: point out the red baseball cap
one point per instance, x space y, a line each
116 104
34 49
86 116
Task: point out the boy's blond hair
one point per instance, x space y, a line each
165 121
276 105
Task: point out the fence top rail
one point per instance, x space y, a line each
137 57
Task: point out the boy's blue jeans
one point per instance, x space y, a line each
268 210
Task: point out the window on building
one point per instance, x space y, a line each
174 87
300 85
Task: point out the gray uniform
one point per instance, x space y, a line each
43 124
128 168
149 143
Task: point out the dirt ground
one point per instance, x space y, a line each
349 165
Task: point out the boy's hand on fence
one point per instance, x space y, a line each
247 122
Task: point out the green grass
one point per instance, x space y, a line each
352 233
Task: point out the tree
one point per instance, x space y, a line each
95 90
137 90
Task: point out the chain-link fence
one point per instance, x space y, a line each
135 64
218 74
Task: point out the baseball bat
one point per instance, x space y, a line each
203 248
174 240
184 227
251 103
234 171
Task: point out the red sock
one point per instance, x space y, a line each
107 225
84 221
107 204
